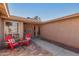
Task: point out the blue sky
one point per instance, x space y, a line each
46 11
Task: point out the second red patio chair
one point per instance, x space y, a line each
25 41
27 38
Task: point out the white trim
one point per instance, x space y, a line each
6 9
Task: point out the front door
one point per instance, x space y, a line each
29 28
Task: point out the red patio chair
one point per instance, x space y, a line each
11 42
27 38
21 42
25 41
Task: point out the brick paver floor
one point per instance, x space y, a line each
31 50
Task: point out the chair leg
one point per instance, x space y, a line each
11 46
27 43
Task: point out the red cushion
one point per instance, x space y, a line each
8 37
28 35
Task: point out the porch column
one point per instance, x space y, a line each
36 30
1 28
20 28
0 25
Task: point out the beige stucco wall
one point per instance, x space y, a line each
64 31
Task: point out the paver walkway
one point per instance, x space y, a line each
54 49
